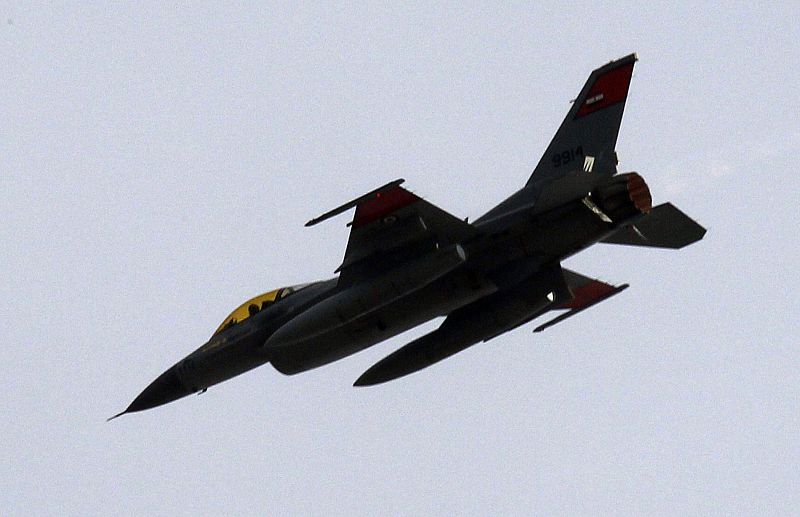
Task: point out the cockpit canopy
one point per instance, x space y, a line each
256 304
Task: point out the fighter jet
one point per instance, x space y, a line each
408 261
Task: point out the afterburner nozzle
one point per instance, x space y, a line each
624 196
639 192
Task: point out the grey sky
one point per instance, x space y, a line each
157 166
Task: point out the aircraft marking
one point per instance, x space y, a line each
568 156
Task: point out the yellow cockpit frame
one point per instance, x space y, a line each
256 304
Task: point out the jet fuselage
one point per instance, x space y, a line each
408 261
518 246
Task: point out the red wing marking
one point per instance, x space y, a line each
610 88
588 293
382 204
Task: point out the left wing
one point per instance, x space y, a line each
390 227
586 292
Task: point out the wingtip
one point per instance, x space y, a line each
350 204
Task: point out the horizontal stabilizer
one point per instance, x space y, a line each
664 227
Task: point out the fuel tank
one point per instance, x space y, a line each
367 297
479 321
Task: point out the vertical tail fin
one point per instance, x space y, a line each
588 135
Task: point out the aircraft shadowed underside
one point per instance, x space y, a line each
408 261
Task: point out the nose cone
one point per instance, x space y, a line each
166 388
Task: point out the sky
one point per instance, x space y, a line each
157 164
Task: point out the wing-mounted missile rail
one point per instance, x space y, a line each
355 202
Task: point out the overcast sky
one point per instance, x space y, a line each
157 166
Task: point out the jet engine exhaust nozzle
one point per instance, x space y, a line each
625 196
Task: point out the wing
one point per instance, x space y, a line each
390 227
586 292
